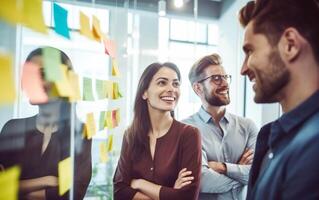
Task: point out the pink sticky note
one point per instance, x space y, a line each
110 48
32 84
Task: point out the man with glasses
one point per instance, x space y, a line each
281 44
228 141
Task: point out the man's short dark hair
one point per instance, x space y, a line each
197 69
272 17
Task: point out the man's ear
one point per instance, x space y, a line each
290 44
197 88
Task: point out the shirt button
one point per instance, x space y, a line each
271 155
152 169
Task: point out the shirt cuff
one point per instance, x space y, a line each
232 169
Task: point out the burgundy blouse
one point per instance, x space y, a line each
179 148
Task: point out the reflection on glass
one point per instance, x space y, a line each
37 144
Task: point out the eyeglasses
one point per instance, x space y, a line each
217 79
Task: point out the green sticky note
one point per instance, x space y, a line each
52 64
61 21
100 89
102 120
87 89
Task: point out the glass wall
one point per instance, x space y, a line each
76 133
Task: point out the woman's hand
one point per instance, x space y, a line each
135 184
183 179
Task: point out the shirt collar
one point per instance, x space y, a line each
206 117
290 120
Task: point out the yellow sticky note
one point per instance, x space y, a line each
115 68
7 88
74 82
110 143
85 26
33 15
97 33
10 11
109 122
116 91
118 116
90 125
103 152
65 175
109 89
63 86
9 183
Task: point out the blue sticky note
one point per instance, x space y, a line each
61 21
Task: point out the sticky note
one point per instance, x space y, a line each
97 33
115 68
116 92
100 89
63 86
74 82
7 86
9 183
118 116
109 89
102 120
33 16
110 143
114 121
85 26
87 89
65 175
110 47
61 21
52 64
109 122
103 152
32 83
90 125
11 11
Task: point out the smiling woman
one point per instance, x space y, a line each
160 157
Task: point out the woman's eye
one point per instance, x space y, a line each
176 84
161 83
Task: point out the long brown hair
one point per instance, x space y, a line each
141 124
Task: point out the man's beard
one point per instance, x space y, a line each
214 100
272 82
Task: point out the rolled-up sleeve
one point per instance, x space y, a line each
241 172
191 159
214 182
122 177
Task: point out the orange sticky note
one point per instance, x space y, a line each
90 126
114 121
32 83
33 16
97 33
110 47
115 68
9 183
85 26
65 175
7 86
